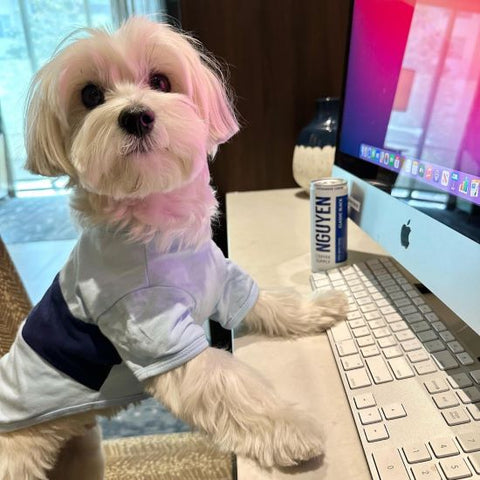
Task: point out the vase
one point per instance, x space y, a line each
315 147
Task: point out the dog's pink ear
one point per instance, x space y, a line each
210 94
44 139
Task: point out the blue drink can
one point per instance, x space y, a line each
329 208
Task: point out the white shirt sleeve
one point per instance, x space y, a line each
153 330
240 292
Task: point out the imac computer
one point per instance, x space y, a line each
409 147
409 140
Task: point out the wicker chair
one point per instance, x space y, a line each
182 456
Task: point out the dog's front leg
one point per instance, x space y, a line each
80 458
229 401
286 313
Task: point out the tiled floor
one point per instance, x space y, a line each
37 263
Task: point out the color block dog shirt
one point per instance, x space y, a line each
117 313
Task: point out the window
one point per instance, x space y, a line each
30 30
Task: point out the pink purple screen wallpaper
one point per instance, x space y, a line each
413 89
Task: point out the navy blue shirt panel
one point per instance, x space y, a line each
76 348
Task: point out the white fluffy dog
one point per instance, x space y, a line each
131 118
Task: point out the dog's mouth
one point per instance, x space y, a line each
137 147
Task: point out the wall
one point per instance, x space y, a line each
282 54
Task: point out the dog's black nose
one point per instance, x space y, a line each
135 121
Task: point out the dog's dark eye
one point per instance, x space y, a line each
159 81
92 96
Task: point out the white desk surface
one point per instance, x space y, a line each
269 236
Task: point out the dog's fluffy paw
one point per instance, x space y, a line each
320 311
288 439
330 305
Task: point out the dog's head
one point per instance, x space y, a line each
127 114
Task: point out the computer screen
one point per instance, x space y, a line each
409 139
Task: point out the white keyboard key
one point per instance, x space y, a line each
475 374
474 411
431 317
413 317
390 465
404 335
354 315
420 326
369 416
434 346
427 336
445 360
364 400
392 289
361 294
394 410
351 362
363 300
381 332
455 468
334 274
340 332
372 315
383 302
387 310
459 380
379 370
436 385
358 322
424 368
465 359
445 400
347 347
418 301
416 452
386 342
376 432
378 323
424 308
397 295
368 307
358 378
455 416
393 317
426 472
469 395
360 332
469 442
365 341
447 336
475 459
407 310
399 326
418 356
400 367
370 351
410 345
402 302
439 326
443 447
392 352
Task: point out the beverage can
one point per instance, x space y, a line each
329 208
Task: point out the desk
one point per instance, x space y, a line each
269 236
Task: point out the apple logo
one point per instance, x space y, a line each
404 235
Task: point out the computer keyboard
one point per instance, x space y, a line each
413 389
